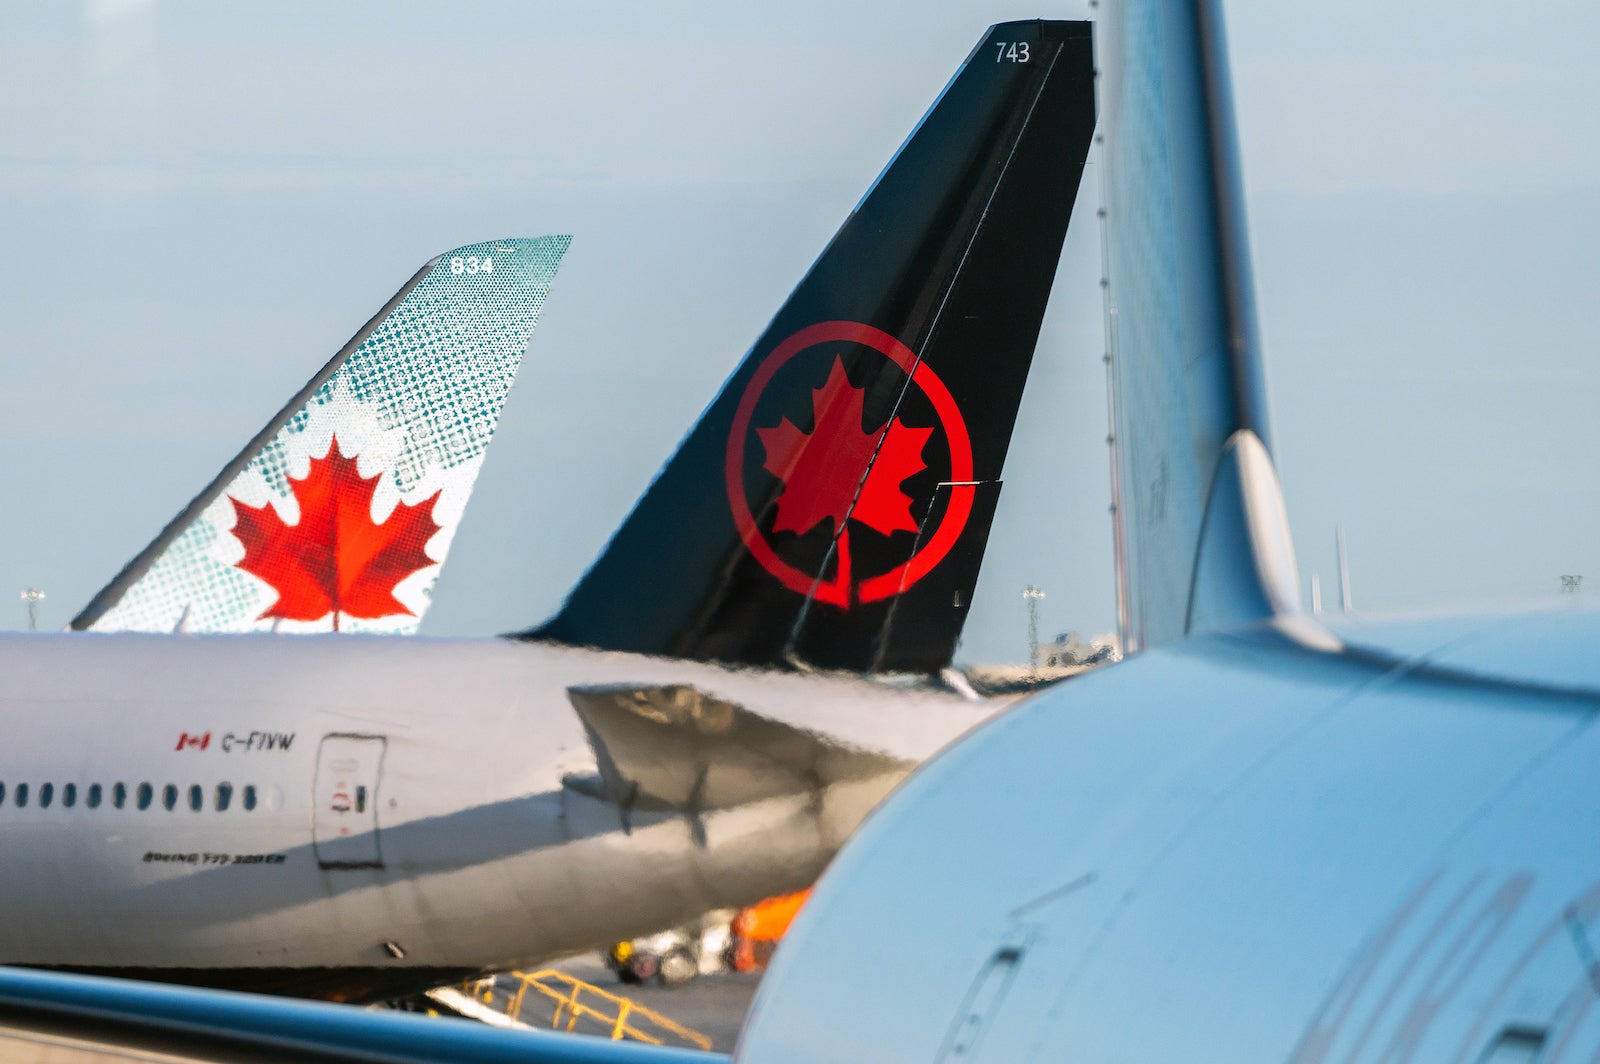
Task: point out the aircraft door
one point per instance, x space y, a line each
344 801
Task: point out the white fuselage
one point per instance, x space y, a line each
350 814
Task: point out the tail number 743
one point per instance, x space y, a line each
1011 51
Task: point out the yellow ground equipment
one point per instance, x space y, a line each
580 1006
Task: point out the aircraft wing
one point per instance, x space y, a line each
677 747
76 1018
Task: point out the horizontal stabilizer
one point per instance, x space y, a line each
678 748
340 512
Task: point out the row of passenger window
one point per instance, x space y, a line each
144 796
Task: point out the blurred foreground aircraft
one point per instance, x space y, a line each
339 514
366 817
1259 840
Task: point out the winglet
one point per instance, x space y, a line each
1244 570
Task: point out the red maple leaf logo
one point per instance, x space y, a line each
876 488
335 559
821 470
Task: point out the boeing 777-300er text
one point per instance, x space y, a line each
361 816
338 515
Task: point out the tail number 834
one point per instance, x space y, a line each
472 264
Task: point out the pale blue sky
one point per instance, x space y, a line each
199 203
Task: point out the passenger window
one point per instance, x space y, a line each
249 796
169 796
93 797
224 796
22 796
145 793
197 798
47 794
69 794
2 794
119 796
361 799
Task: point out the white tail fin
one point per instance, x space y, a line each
339 513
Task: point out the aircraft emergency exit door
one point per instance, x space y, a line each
344 811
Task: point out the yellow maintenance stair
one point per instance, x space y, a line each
574 1006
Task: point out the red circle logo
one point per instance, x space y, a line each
844 590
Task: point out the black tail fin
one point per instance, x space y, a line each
832 504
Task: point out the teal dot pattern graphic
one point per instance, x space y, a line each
417 403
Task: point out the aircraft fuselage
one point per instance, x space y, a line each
1239 847
354 816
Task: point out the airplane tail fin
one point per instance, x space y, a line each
1202 537
339 513
832 504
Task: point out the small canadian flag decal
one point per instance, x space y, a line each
193 742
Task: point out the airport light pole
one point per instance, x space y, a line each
1032 594
31 596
